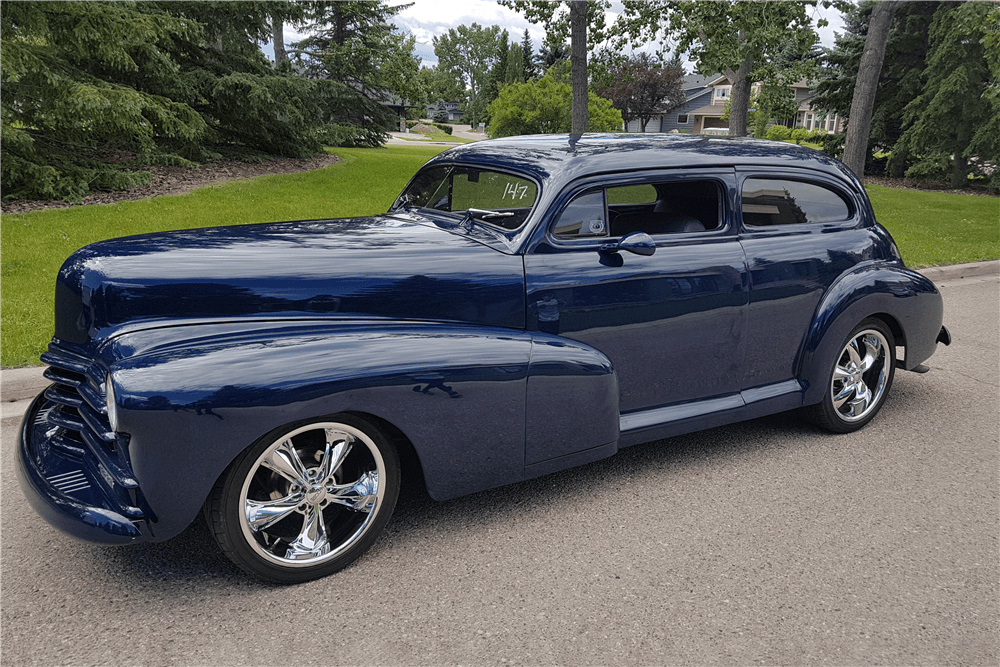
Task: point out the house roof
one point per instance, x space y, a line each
692 81
708 110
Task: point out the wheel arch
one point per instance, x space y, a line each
907 302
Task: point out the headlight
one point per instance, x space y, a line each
109 392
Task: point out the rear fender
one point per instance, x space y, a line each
911 301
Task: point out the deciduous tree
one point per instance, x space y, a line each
543 107
468 53
643 88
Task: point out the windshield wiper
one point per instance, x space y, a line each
487 215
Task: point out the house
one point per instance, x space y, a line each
708 118
702 112
696 90
450 108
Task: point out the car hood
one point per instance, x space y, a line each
396 267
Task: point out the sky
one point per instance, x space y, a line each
427 19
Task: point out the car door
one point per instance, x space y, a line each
673 322
800 231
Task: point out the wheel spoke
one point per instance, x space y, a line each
312 541
842 374
854 351
338 446
285 461
359 496
841 397
872 351
861 399
261 514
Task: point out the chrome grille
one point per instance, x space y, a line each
77 414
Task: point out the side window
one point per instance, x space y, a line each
583 217
666 207
769 202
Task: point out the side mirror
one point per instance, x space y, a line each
637 243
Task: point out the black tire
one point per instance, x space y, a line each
859 379
307 499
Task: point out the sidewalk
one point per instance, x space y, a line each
461 131
18 385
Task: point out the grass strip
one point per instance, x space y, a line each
34 245
938 228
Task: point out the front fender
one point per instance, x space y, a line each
193 401
889 291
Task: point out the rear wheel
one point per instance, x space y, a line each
859 380
306 501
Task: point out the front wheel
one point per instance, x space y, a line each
859 380
306 501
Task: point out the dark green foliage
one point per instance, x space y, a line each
899 81
955 104
527 57
141 81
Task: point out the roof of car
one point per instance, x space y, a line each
565 157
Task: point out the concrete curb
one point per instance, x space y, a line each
18 384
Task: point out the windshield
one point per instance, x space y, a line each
494 197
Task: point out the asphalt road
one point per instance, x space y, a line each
763 542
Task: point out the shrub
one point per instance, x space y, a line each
440 116
447 129
779 133
800 134
833 144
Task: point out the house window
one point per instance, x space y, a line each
682 119
722 93
809 121
831 123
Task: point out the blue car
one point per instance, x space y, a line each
526 305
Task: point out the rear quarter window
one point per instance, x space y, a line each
769 202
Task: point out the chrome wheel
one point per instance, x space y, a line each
859 381
860 376
305 502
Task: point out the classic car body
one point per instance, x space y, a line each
498 345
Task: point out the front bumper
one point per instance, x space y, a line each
70 487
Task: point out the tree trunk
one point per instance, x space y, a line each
863 103
278 35
739 103
578 64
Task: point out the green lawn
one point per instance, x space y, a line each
34 245
930 228
935 228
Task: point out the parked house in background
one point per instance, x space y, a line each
702 111
450 108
